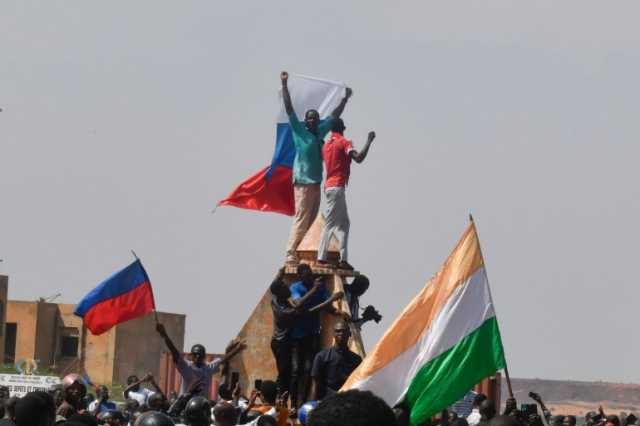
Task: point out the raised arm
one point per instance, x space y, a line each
152 381
299 304
546 413
286 97
336 113
126 390
359 157
175 354
326 305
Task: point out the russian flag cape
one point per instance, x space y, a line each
271 189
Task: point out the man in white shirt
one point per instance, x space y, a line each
140 394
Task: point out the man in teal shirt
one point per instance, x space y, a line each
307 165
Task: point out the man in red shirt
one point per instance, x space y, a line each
337 153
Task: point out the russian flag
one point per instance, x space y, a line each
125 295
271 189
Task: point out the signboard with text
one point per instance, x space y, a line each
21 384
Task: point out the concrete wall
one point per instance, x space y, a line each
96 352
133 347
97 356
66 316
138 347
25 315
66 319
46 334
257 362
4 286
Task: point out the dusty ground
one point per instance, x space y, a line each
580 408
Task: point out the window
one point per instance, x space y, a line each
69 346
10 343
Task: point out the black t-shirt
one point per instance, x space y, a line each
332 367
283 318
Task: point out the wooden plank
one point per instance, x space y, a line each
321 270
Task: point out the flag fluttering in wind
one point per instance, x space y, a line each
443 343
125 295
271 189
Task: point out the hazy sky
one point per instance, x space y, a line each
124 122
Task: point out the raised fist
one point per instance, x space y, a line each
371 136
348 92
284 76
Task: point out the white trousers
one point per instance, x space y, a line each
336 222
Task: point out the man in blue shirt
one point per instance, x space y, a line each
307 164
103 403
306 331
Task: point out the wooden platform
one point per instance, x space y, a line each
321 270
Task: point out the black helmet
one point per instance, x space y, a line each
198 411
154 418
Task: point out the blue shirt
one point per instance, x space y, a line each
307 164
309 323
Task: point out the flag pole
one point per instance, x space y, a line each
506 369
155 312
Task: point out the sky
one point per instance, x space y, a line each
123 123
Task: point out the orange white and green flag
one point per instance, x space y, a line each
443 343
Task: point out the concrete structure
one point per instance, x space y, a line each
256 362
50 334
4 286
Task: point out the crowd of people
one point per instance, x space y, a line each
71 404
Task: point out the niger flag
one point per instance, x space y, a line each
443 343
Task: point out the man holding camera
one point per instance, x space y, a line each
353 291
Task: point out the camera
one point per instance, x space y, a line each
370 313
